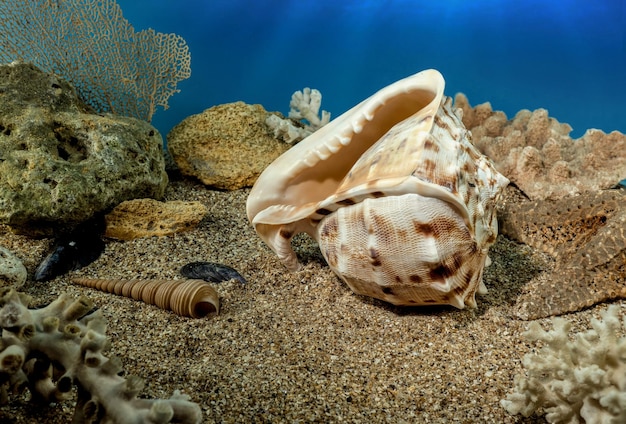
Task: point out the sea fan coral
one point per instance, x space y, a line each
90 44
53 348
583 380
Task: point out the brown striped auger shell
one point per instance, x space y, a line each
189 298
399 200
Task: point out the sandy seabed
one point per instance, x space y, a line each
298 347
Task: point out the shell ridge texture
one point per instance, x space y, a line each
188 297
403 211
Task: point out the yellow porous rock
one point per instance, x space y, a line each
226 146
148 217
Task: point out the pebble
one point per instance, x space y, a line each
12 271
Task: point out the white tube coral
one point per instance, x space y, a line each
50 349
583 380
305 105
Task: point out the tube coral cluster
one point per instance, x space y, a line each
52 349
583 380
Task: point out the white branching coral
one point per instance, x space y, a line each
304 117
577 381
49 350
306 104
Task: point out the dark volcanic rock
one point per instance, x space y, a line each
60 164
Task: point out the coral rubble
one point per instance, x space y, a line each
583 380
49 350
306 104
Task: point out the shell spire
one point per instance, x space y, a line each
189 298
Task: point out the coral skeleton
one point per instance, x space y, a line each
306 104
577 381
52 349
304 117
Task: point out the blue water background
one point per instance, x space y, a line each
568 56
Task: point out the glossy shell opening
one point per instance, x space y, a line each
309 187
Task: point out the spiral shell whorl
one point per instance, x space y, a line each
400 201
189 298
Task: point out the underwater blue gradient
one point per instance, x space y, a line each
568 56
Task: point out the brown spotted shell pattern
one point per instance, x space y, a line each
400 202
189 298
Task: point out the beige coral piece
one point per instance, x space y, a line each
226 146
537 154
148 217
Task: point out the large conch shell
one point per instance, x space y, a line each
189 298
399 200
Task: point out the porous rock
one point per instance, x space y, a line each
60 163
148 217
12 270
537 154
226 146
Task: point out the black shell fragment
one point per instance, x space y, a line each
74 250
211 272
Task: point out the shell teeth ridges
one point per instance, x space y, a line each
409 190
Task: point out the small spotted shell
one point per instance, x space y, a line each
189 298
399 200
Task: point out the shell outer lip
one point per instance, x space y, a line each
299 158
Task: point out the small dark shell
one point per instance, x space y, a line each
211 272
72 251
